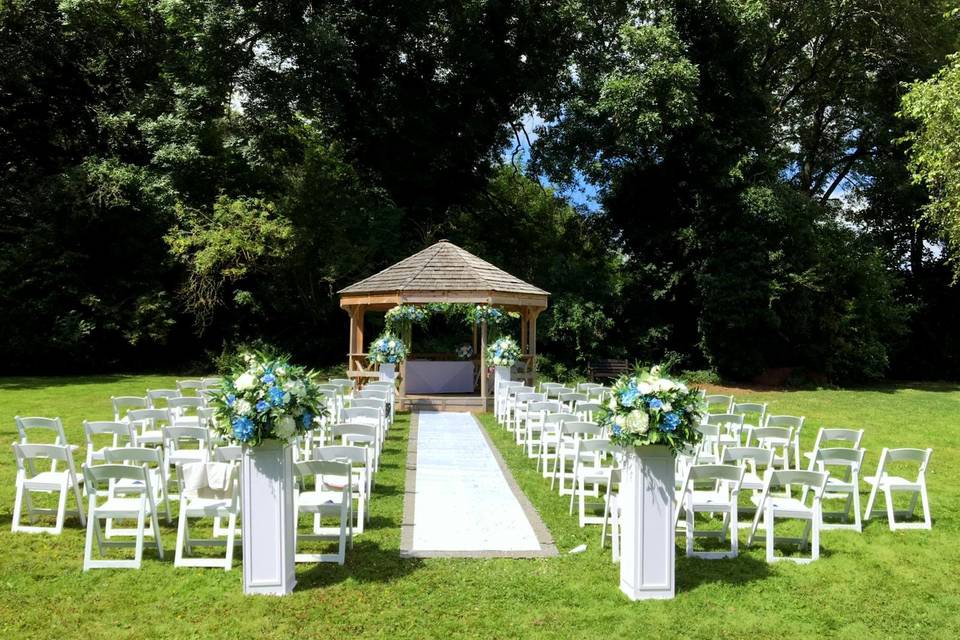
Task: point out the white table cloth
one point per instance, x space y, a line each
439 376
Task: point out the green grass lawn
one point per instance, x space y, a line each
871 584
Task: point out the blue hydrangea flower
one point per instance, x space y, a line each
243 428
307 419
262 406
670 422
616 430
231 399
268 378
276 396
654 403
628 397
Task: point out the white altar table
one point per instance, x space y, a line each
439 376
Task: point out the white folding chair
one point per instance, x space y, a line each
891 484
611 514
331 495
502 400
30 480
365 435
709 451
372 417
590 469
210 490
185 411
376 403
119 434
731 427
587 411
152 459
843 483
770 507
721 497
211 383
549 440
718 403
571 431
553 392
391 390
569 400
519 403
511 404
534 411
755 462
748 410
795 424
777 439
119 506
37 430
359 459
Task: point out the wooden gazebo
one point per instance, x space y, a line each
443 272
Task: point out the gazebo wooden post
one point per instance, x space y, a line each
483 363
532 331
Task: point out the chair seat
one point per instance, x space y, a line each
590 474
208 506
152 437
46 480
892 481
710 499
121 508
320 499
187 455
785 506
752 481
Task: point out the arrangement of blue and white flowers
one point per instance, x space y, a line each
464 352
503 352
647 408
267 398
387 349
404 315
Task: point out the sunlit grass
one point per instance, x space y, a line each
871 584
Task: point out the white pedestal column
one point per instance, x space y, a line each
268 518
388 372
646 521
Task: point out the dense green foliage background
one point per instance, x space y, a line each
178 176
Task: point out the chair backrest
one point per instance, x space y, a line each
211 382
118 432
366 431
814 480
751 408
594 445
530 397
103 473
30 429
27 454
154 396
228 453
574 429
329 387
772 436
551 385
382 384
355 455
920 457
585 387
571 399
363 414
556 392
122 404
725 419
756 457
328 473
560 418
841 456
345 384
189 385
514 391
138 456
367 392
375 403
149 416
718 403
717 472
543 406
829 438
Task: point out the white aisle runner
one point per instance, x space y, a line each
464 504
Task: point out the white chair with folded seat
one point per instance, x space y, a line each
549 442
123 404
721 497
38 430
771 506
183 445
756 463
534 412
364 435
149 424
157 398
210 490
31 480
139 506
731 428
915 488
571 432
331 495
754 413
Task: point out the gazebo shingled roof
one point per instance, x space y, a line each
443 272
442 269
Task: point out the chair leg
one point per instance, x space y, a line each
870 500
615 532
768 523
573 496
925 503
88 544
138 553
891 516
181 537
61 509
17 507
231 537
79 498
855 495
689 530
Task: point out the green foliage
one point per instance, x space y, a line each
935 146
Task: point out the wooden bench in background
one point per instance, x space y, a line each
607 369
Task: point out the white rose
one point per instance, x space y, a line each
637 422
244 382
295 388
619 420
280 371
645 388
664 384
612 404
682 388
243 407
392 344
655 371
285 428
667 407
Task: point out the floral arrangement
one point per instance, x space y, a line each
464 352
503 352
405 314
648 408
387 349
266 397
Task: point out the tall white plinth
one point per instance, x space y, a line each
501 375
268 519
646 521
388 372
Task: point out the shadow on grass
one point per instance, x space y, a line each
367 562
43 382
694 572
